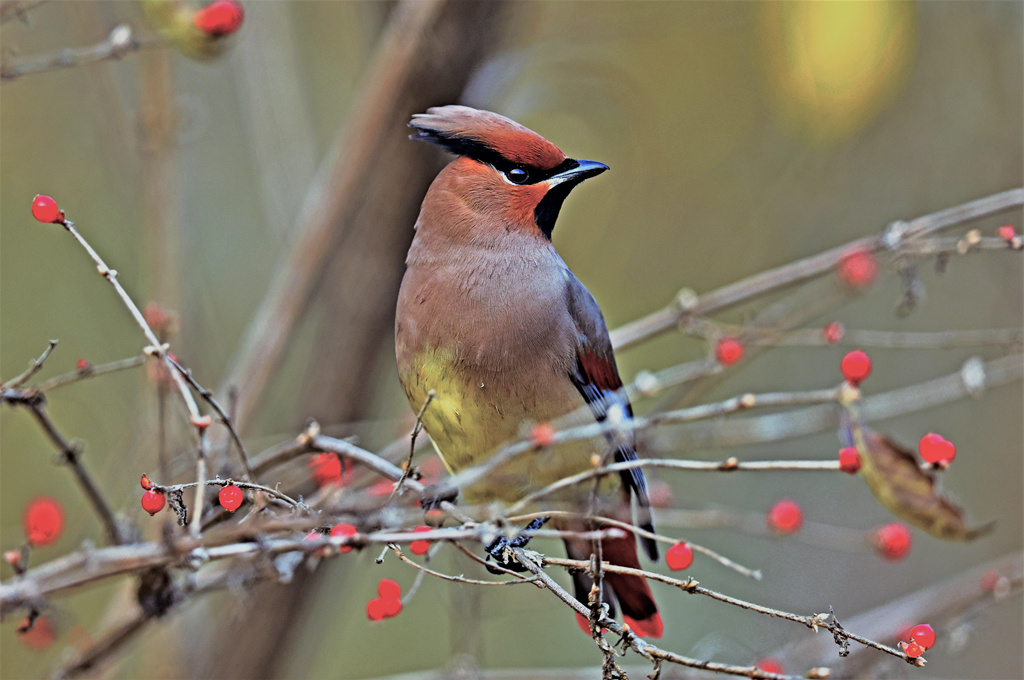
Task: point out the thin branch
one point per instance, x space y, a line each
626 526
412 445
1009 337
457 579
806 269
33 367
640 646
70 454
225 419
241 485
90 372
691 586
120 43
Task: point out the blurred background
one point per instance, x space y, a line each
740 136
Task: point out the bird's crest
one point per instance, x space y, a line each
485 136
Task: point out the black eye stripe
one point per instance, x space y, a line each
533 174
479 151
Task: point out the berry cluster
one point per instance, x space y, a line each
388 602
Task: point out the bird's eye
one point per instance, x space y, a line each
517 175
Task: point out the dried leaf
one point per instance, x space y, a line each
894 475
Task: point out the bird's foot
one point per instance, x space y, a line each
501 548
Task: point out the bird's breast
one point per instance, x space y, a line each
494 341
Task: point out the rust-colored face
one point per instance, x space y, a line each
507 173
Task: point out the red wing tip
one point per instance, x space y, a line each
649 627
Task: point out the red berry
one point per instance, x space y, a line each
770 665
45 210
729 350
392 606
230 497
389 589
327 468
858 267
1007 232
146 483
375 609
153 502
893 541
923 634
936 449
420 547
785 517
833 332
383 608
43 520
344 530
542 435
222 17
989 580
856 366
82 365
679 557
913 650
40 636
849 460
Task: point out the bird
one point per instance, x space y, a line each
492 324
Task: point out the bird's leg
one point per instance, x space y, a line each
500 549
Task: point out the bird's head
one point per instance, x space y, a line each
504 171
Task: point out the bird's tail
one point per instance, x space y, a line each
632 592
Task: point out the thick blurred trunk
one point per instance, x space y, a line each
426 56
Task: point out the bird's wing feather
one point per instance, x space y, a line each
596 377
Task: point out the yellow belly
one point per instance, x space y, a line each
473 415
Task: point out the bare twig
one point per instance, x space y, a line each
457 579
120 43
225 419
32 369
1009 337
806 269
70 454
90 372
412 444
